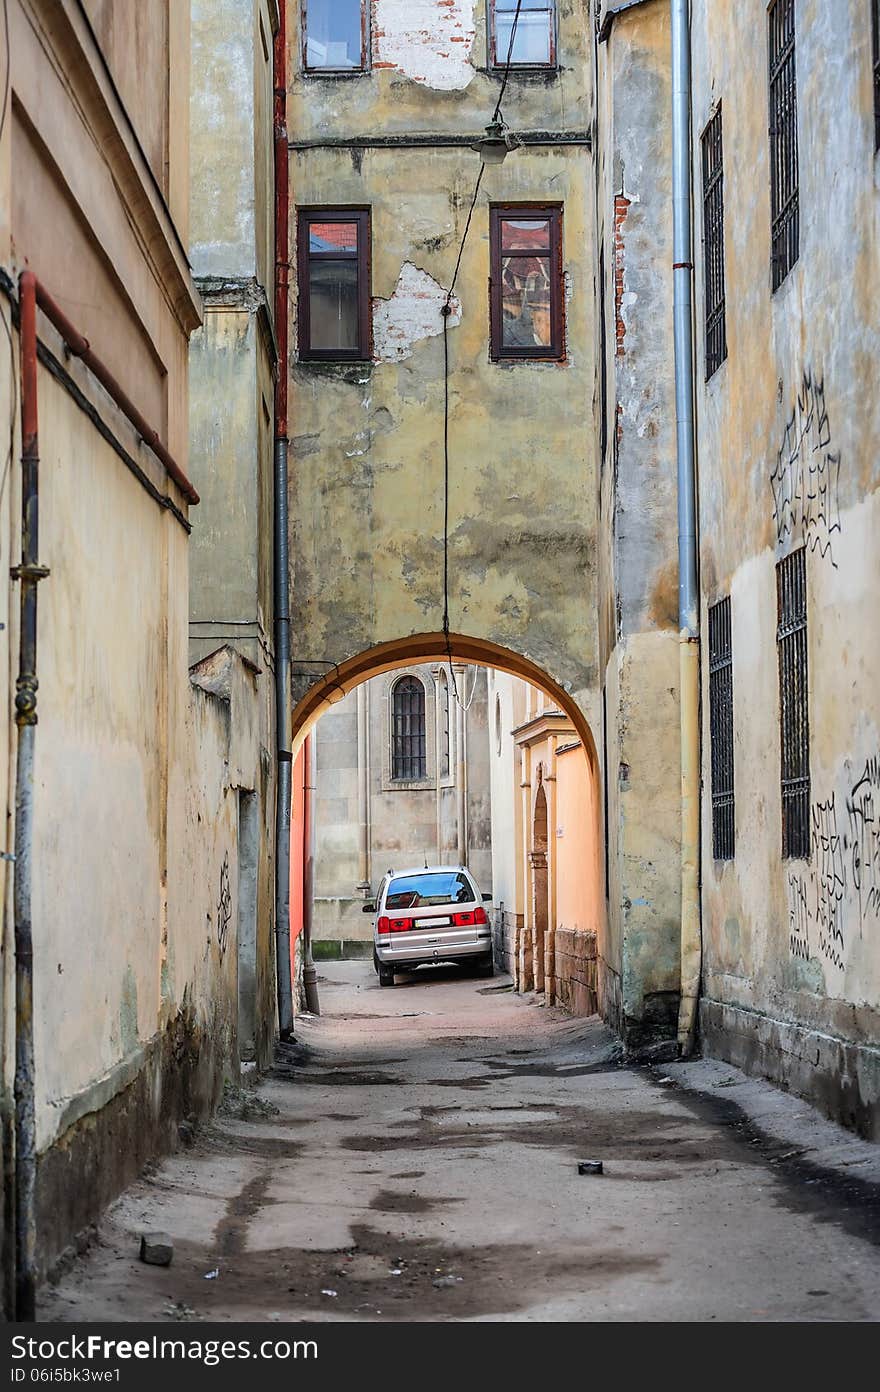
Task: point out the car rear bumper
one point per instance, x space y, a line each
445 950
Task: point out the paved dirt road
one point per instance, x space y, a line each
422 1164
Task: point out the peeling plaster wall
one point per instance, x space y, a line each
412 313
427 42
788 457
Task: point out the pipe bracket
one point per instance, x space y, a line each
29 572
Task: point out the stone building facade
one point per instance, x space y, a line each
381 803
143 850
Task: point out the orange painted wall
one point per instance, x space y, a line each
579 887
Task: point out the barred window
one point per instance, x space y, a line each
713 244
408 750
721 730
791 645
784 195
875 34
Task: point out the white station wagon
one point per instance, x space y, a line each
433 914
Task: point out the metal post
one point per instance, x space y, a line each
29 574
688 583
310 971
282 574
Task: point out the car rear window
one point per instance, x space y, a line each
419 891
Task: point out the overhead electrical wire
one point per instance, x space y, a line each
446 311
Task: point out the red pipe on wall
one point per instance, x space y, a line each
80 348
282 219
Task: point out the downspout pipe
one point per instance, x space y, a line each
284 781
29 573
688 580
310 971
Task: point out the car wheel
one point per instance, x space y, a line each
386 975
487 966
375 962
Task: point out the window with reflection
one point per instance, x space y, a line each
333 278
526 281
335 35
533 33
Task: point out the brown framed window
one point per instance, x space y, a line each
333 272
534 37
335 35
525 287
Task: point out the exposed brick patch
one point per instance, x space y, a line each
428 41
621 205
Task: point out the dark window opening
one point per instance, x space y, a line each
713 244
408 745
334 283
784 192
875 36
334 35
791 644
525 289
534 39
721 730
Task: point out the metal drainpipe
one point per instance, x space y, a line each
310 971
282 573
29 573
688 580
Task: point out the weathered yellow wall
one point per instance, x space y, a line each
366 455
637 603
788 457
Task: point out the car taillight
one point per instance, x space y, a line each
394 925
470 918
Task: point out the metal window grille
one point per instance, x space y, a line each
713 244
791 646
875 28
784 205
721 730
408 753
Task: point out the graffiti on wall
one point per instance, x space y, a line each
863 836
840 891
805 478
224 906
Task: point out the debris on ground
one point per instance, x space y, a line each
441 1282
329 1292
243 1104
590 1167
212 1275
176 1310
157 1249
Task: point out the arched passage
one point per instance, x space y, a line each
535 935
343 677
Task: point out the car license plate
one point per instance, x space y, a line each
436 922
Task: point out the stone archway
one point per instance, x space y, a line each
531 964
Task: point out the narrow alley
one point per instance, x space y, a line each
415 1157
